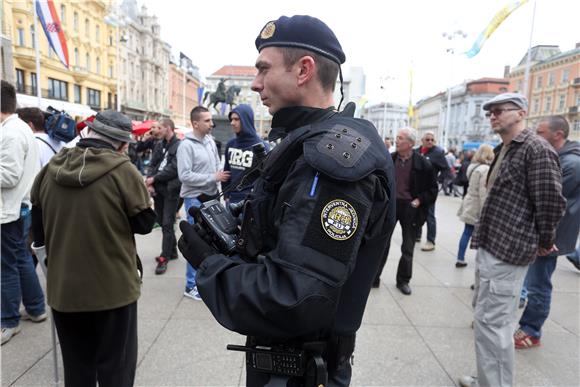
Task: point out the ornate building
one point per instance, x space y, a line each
89 84
553 84
184 85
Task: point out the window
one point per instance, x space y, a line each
551 79
88 61
33 82
562 102
577 99
477 109
536 105
539 82
98 65
93 98
110 40
19 81
97 33
76 21
87 28
32 40
20 37
63 14
110 101
548 106
111 71
77 89
57 89
77 60
565 75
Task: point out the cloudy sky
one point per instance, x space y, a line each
386 38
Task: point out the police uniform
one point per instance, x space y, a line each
314 230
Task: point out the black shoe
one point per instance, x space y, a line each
405 289
472 287
460 264
377 283
574 263
161 265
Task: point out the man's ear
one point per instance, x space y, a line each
306 69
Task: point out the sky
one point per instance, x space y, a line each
386 38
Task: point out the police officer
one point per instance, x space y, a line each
316 225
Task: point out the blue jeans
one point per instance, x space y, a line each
431 225
575 255
190 272
539 295
464 241
19 279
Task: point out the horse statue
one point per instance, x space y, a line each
214 98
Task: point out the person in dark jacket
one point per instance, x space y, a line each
416 191
239 157
436 156
315 228
164 185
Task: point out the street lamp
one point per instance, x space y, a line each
384 88
450 50
116 19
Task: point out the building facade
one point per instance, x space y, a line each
144 64
553 84
184 84
388 118
241 76
427 115
89 84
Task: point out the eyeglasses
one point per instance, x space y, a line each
429 139
498 112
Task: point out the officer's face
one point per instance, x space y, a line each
276 83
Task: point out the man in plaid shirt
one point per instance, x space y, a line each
517 223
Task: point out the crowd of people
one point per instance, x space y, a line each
316 210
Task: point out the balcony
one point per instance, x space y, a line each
25 56
576 82
80 74
46 93
573 110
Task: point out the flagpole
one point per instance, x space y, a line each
37 54
528 59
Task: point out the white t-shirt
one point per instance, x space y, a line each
44 148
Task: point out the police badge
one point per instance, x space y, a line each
268 30
339 219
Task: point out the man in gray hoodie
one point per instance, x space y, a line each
198 167
555 130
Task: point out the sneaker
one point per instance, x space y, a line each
524 341
7 333
161 265
429 246
468 381
192 293
39 318
460 264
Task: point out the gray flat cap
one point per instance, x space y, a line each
515 98
113 125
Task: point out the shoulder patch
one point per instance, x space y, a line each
344 144
339 219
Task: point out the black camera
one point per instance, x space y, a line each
219 225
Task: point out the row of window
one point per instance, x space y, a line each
58 89
548 103
552 79
76 23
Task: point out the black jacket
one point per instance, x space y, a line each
423 184
436 156
163 167
320 221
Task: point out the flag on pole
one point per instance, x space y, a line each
410 110
53 29
492 26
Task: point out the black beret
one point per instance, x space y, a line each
301 31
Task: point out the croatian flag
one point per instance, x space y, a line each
53 29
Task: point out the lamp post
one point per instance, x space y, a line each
384 88
450 50
115 19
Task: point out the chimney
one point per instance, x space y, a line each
506 71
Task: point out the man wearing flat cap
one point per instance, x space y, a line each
315 226
88 202
518 222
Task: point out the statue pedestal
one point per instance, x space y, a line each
222 132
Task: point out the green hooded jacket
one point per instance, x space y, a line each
87 196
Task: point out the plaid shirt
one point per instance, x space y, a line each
525 204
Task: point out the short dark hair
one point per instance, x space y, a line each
167 122
556 123
327 70
8 98
196 113
34 115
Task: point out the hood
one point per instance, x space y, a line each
248 133
570 147
79 167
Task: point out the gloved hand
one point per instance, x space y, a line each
192 245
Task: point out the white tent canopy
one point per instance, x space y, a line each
73 109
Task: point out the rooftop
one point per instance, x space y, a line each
236 71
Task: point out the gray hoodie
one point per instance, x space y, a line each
197 162
569 226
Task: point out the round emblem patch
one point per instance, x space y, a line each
339 219
268 30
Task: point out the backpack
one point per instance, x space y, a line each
59 125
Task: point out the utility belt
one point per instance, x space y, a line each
311 360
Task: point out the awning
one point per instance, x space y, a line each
73 109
